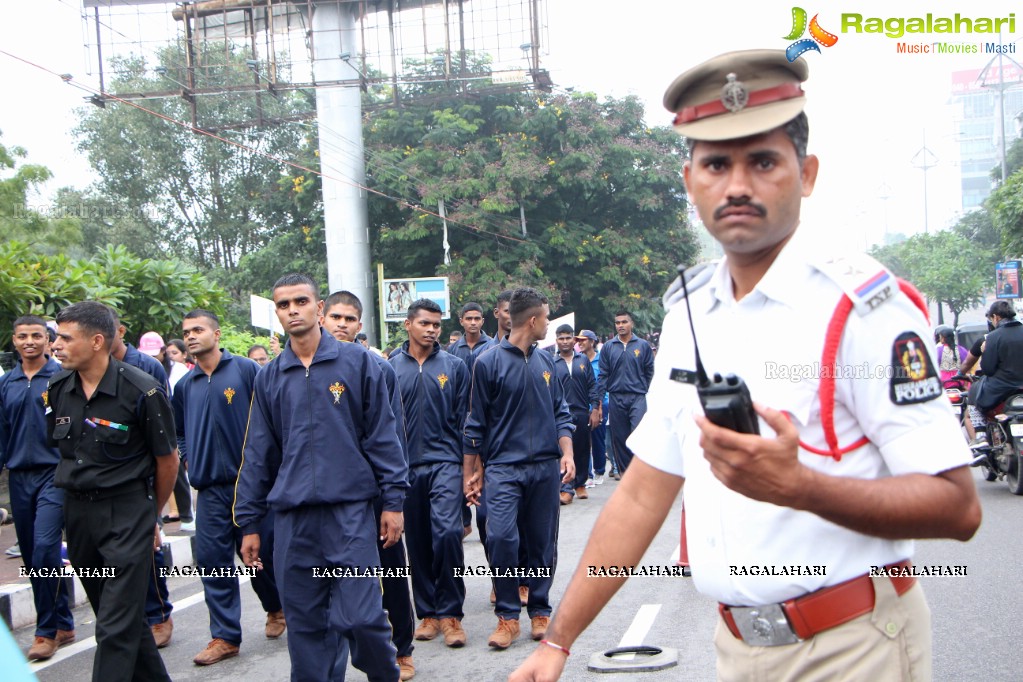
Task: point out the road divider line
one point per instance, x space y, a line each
637 632
78 647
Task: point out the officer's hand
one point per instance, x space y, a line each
157 540
250 550
567 468
392 524
543 665
765 469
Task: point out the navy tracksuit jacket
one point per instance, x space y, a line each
38 505
322 444
210 416
517 413
435 398
582 397
625 374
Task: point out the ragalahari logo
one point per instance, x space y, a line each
817 35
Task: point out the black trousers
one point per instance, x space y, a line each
116 532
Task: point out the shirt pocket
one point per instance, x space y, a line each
113 443
60 437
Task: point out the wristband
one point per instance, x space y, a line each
556 646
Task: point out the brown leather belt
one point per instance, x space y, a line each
821 610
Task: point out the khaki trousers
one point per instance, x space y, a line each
891 644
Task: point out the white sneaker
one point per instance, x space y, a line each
589 483
13 551
188 526
599 480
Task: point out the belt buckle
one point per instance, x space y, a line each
763 625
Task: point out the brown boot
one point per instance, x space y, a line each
523 594
162 632
406 671
507 632
43 648
539 624
275 624
65 637
216 651
566 498
581 493
454 635
427 630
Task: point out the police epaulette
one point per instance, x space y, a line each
696 276
138 378
60 376
863 279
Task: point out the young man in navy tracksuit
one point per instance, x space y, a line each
574 372
626 368
211 411
37 504
342 318
520 429
434 391
321 445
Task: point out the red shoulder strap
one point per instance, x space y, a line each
829 369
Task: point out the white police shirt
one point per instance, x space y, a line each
773 339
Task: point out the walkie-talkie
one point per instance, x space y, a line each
726 400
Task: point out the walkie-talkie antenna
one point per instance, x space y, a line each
701 373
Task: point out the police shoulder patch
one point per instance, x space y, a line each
914 378
865 281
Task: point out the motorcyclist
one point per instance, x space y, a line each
1002 361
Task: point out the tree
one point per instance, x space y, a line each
1006 207
945 267
567 193
209 194
43 228
148 294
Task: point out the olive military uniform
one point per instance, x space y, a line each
108 443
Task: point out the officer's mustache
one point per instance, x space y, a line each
760 209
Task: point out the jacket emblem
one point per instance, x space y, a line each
547 377
582 367
229 394
46 398
442 379
336 389
636 352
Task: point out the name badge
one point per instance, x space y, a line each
63 420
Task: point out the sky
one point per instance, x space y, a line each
870 108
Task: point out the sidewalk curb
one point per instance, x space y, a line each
17 608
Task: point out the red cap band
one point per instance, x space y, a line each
756 98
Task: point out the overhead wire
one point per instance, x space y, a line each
71 81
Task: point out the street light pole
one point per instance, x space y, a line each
924 160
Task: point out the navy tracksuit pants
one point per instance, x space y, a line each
598 437
580 452
323 610
523 515
158 604
433 529
217 542
626 411
38 509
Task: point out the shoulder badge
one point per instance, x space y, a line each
152 392
865 281
914 377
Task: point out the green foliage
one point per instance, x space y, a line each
239 341
600 194
1006 207
946 267
149 294
41 227
208 197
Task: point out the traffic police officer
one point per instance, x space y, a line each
115 430
434 387
322 444
849 462
211 412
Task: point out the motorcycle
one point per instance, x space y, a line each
1002 455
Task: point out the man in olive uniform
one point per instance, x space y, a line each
114 428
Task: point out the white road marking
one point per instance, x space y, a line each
79 646
637 632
